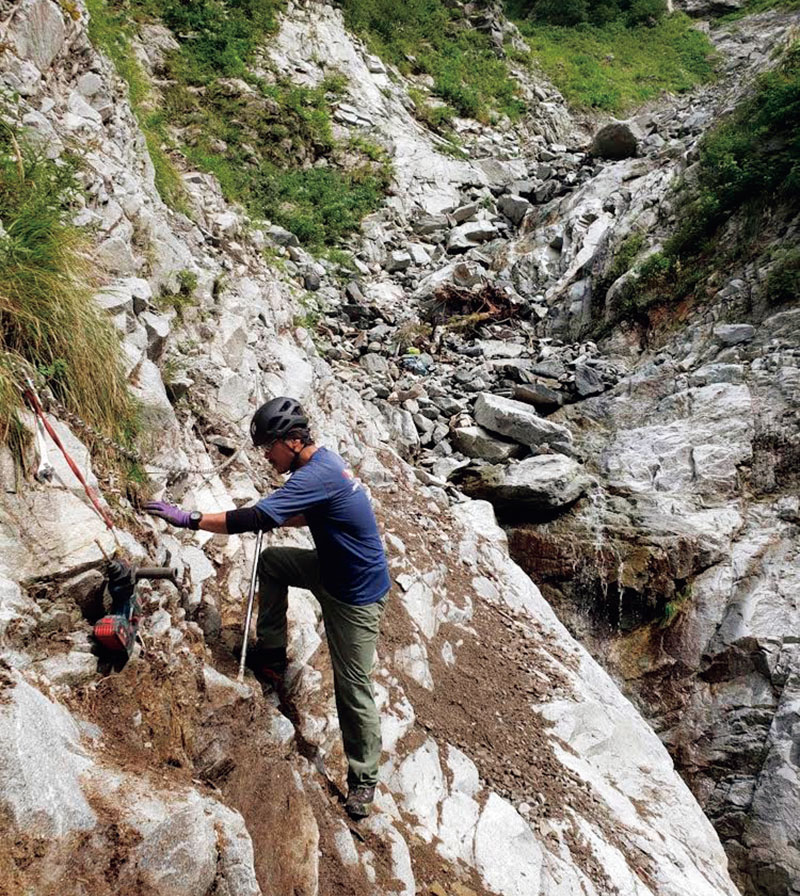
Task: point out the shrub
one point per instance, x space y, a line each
750 161
783 280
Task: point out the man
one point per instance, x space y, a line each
347 573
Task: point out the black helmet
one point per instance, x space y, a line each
276 419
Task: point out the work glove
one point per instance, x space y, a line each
169 512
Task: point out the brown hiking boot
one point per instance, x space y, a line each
359 800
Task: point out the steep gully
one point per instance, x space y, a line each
513 799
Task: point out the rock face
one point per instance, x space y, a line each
513 765
685 589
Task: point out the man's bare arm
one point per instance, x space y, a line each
214 522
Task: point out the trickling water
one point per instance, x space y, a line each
604 549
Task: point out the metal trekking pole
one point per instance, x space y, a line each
249 615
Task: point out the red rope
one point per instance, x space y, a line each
34 401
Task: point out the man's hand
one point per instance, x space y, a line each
175 516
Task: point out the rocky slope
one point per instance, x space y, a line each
513 764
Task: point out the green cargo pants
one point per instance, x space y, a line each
351 631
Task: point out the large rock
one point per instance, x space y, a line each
471 234
520 422
507 854
41 763
39 32
544 482
513 207
179 857
615 141
475 441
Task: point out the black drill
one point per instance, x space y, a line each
116 632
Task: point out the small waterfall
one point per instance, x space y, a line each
608 562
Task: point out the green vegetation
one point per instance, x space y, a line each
596 12
219 38
616 66
673 608
269 144
748 181
627 251
750 161
182 299
754 6
783 281
111 32
431 37
49 323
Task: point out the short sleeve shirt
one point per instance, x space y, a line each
338 512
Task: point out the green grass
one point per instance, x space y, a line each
49 322
110 32
219 38
615 67
182 299
431 37
270 145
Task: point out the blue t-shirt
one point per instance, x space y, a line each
351 555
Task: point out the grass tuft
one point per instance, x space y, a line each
49 321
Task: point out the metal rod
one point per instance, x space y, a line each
156 572
249 615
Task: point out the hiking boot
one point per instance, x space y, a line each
359 800
268 664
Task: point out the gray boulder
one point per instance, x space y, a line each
179 858
475 441
471 234
615 141
39 32
520 422
544 482
734 334
543 398
41 762
513 207
588 381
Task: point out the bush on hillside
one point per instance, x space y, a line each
749 162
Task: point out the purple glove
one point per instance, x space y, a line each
169 512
